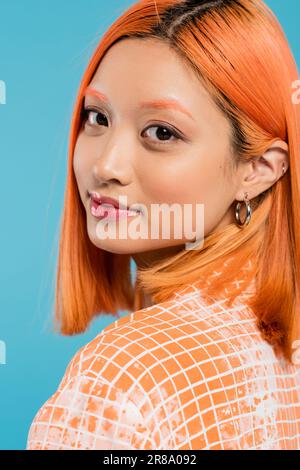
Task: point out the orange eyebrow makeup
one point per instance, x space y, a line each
155 104
93 92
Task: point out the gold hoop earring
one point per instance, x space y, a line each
238 211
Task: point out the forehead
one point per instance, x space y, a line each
144 68
135 71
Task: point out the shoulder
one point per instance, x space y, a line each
88 413
184 326
118 349
96 405
141 378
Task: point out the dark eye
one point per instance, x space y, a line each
163 134
93 117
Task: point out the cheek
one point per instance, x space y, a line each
194 179
204 181
81 163
81 168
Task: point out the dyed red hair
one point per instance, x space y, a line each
240 53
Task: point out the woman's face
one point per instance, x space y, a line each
155 153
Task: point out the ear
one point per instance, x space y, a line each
260 173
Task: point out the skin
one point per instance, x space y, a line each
127 153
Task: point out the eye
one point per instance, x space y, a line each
93 117
163 133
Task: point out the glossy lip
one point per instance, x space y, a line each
95 196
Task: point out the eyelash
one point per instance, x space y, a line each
176 136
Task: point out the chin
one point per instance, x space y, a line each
123 247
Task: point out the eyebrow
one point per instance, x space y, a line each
162 103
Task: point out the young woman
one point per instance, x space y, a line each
188 103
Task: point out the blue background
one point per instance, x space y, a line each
45 46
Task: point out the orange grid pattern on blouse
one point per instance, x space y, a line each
182 374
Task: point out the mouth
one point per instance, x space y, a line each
109 208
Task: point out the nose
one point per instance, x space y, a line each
113 162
